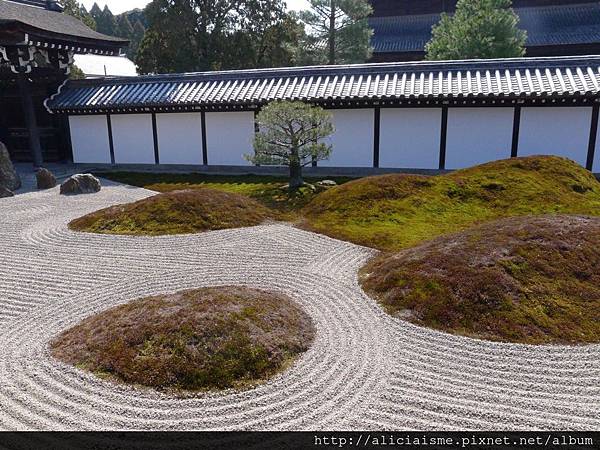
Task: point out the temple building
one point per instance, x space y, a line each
554 27
37 46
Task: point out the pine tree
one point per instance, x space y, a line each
194 35
136 39
479 29
73 8
96 11
340 32
123 27
291 134
107 23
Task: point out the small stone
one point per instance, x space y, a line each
80 184
9 178
5 192
45 179
327 183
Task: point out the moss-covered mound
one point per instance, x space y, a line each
533 279
392 212
211 338
178 212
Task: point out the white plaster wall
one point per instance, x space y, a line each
410 138
133 139
89 138
555 131
229 136
478 135
179 138
353 138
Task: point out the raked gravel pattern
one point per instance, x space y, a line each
365 370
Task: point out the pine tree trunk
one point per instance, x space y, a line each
296 180
332 33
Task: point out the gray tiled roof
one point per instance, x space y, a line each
548 25
55 22
524 77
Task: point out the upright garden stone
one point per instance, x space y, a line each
45 179
8 175
80 184
5 192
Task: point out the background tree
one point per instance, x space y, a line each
75 9
290 135
267 36
194 35
339 31
123 26
479 29
105 21
130 25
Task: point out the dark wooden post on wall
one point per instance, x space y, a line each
443 138
111 142
593 137
376 136
30 120
514 151
204 141
155 139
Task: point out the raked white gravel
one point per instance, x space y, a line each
364 371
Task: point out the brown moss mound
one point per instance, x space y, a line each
211 338
392 212
178 212
524 279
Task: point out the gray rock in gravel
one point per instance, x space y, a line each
8 175
327 183
82 183
45 179
5 192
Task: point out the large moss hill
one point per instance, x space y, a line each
527 279
177 212
197 340
392 212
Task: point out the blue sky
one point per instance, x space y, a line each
119 6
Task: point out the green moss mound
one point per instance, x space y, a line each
178 212
267 190
533 280
205 339
392 212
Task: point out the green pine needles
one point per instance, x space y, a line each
291 134
480 29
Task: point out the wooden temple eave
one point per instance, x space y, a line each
37 44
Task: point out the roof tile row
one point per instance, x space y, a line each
514 77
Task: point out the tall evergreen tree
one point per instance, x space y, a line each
194 35
123 27
73 8
105 22
267 36
95 11
136 38
340 32
479 29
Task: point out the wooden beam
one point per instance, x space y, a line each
155 138
35 145
443 138
111 143
376 137
204 146
514 151
593 137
